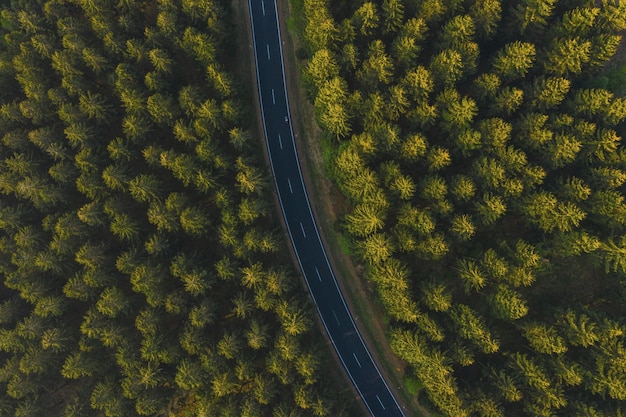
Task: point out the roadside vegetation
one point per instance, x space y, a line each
142 270
478 144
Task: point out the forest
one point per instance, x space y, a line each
143 272
484 175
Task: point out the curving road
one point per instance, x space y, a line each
298 216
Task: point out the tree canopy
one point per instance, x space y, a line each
484 171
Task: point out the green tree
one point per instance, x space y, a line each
506 385
393 14
544 210
164 109
486 15
531 16
514 60
105 397
567 56
406 45
507 101
508 304
321 28
434 370
249 178
293 319
603 48
528 371
189 375
95 106
456 112
462 188
366 18
365 220
446 67
79 364
160 60
321 67
548 93
257 335
136 127
145 188
113 302
486 86
456 31
471 326
194 221
377 68
490 209
473 278
544 339
391 277
579 329
125 227
116 176
436 296
463 226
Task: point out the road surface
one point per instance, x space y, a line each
299 219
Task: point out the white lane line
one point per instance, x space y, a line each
336 318
318 274
357 361
280 141
268 51
381 403
302 227
273 97
263 6
290 189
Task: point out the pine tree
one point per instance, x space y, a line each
366 18
490 209
579 329
486 15
446 67
567 57
544 339
531 16
393 14
514 60
463 227
508 304
436 296
472 276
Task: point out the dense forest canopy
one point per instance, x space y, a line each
484 180
142 273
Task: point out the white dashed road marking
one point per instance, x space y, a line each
336 318
318 274
290 188
280 141
356 359
302 227
263 6
268 52
273 97
381 403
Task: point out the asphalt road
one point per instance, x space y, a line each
298 216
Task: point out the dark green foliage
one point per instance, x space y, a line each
140 268
483 160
